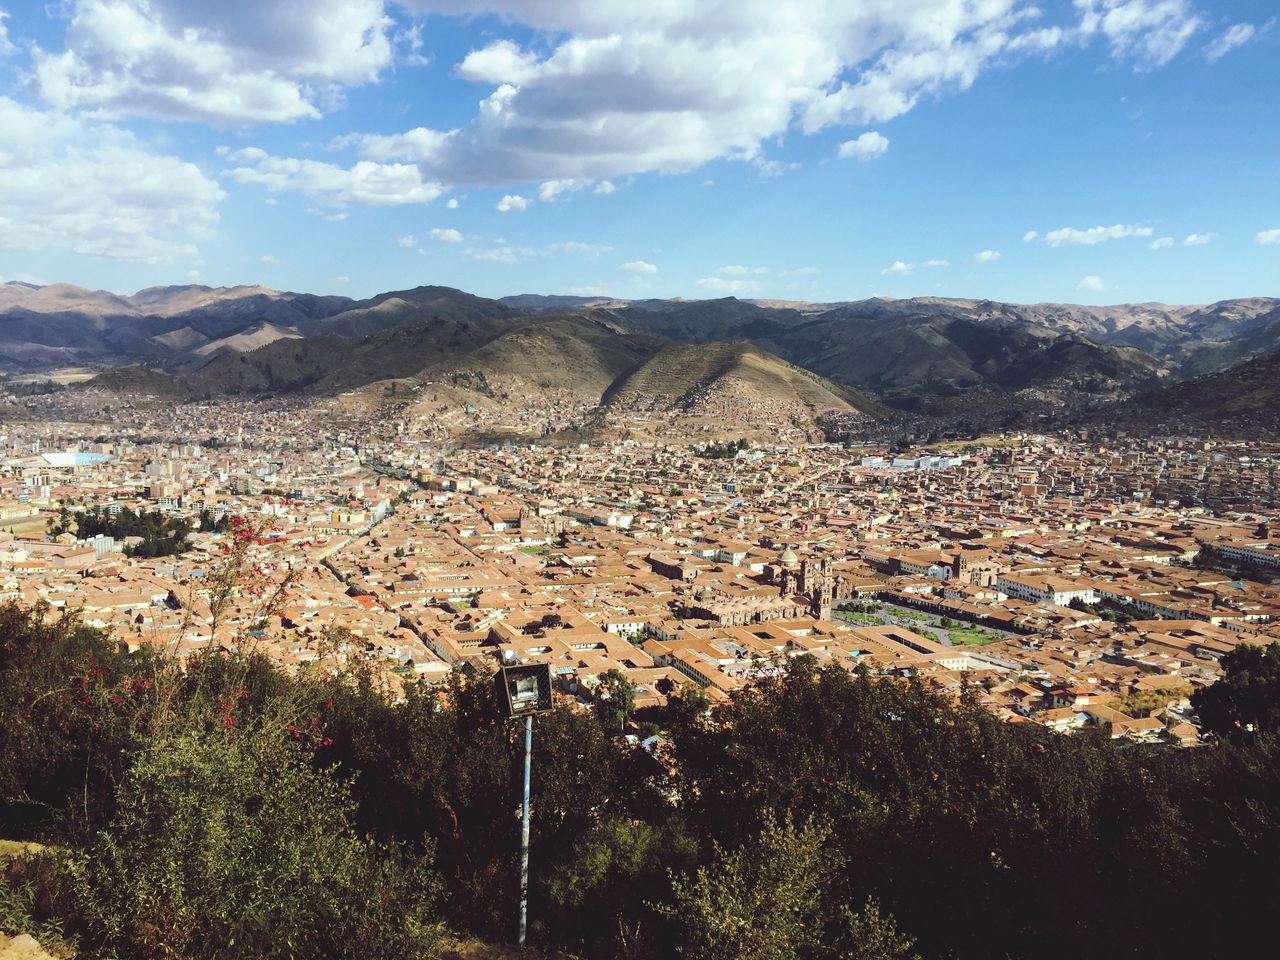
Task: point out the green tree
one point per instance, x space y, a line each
234 845
1246 700
615 699
765 901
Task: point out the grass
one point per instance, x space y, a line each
533 549
866 618
16 848
969 637
905 613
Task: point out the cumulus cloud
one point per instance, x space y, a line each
1071 237
724 285
268 61
1197 239
639 266
898 268
868 146
1234 36
1268 238
986 256
268 260
1161 243
453 203
1091 284
512 201
446 235
407 241
936 263
738 270
366 184
88 187
1153 31
611 88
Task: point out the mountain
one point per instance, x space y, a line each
736 380
420 305
901 352
569 354
971 358
1243 399
63 324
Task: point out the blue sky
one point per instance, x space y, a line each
1094 151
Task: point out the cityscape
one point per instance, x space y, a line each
694 480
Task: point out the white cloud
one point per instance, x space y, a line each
1153 31
504 252
1161 243
806 271
605 187
341 279
608 88
592 250
512 201
453 203
1071 237
1197 239
268 260
499 254
367 183
639 266
266 61
898 268
549 190
986 256
500 62
72 184
1235 36
725 286
446 235
1268 238
6 45
591 290
936 263
866 147
1093 284
407 241
738 270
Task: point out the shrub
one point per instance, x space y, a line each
236 846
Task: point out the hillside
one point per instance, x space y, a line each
730 389
572 354
1243 399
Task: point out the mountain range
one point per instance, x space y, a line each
842 357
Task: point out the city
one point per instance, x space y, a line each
1073 583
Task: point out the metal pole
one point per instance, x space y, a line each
524 830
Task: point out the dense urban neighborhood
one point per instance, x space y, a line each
1072 582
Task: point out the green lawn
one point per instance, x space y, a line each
906 613
867 618
969 637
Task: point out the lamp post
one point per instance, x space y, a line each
526 692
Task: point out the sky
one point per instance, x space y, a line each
1089 151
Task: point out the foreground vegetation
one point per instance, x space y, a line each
232 811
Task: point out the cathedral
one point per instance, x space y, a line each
810 579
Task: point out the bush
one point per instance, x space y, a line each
236 846
36 894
